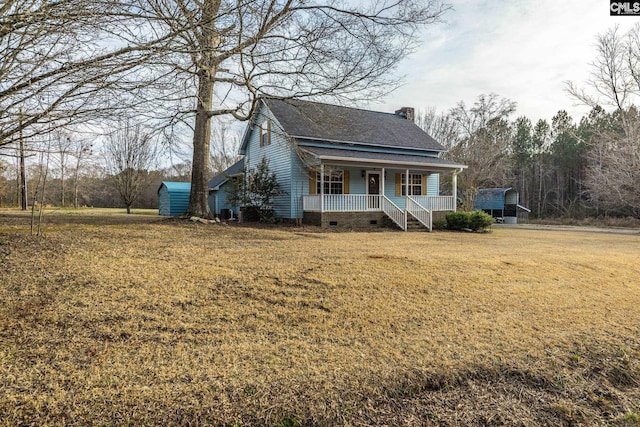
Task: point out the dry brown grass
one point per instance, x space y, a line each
173 323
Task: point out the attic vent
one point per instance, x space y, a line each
408 113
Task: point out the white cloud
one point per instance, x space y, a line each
524 50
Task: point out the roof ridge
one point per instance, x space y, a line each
329 105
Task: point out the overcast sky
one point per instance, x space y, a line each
520 49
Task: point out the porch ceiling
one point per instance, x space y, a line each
394 161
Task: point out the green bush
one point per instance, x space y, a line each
480 221
439 224
457 220
464 221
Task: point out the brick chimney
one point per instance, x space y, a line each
407 113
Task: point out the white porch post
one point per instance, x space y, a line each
406 197
454 183
382 181
321 187
406 181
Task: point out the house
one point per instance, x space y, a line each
502 204
218 186
173 198
341 166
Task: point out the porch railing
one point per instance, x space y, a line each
365 202
342 203
423 215
396 214
436 203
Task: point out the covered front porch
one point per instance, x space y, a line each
374 195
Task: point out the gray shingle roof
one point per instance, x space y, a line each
314 120
382 158
234 169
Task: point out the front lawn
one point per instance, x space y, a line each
176 323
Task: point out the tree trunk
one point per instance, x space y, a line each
128 209
23 178
62 183
208 41
198 200
75 188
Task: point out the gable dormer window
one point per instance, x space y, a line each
265 133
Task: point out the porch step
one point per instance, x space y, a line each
412 224
415 225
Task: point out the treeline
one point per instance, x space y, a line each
120 169
565 167
94 189
561 168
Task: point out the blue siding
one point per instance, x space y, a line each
299 184
218 201
212 199
173 198
279 154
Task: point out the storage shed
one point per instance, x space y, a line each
173 198
502 204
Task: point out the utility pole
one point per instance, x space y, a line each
23 176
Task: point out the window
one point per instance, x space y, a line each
333 182
415 184
265 134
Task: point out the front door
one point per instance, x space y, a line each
373 190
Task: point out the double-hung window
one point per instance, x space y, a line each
333 182
415 184
265 133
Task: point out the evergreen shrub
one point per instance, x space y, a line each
469 221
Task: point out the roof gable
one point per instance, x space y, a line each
221 178
334 123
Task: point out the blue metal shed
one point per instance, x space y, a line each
502 204
173 198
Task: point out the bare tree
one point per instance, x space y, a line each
615 73
63 147
81 151
60 65
612 177
130 154
224 148
217 58
441 126
4 187
613 171
483 144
